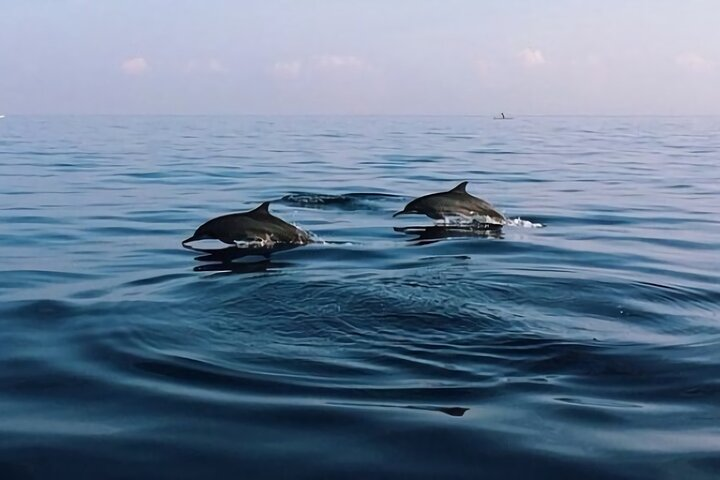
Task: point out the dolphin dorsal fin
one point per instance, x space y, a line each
262 210
460 188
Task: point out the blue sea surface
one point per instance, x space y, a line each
583 341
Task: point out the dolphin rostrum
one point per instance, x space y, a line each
256 226
455 202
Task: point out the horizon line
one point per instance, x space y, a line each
481 115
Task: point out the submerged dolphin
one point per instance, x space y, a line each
455 202
257 225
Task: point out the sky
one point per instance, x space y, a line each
611 57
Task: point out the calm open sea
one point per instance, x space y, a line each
585 348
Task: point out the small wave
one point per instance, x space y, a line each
495 151
317 240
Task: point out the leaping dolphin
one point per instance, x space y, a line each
453 203
255 226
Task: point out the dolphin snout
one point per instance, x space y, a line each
193 238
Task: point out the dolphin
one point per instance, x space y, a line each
257 225
455 202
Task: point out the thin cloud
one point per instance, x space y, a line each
349 62
214 65
288 69
694 62
482 67
532 57
134 66
316 64
210 65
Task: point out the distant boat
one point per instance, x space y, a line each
502 117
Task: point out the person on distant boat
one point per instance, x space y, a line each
502 115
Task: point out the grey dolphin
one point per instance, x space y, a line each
457 201
257 225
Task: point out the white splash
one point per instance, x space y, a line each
464 220
478 220
316 240
256 243
519 222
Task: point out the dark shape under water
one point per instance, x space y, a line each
346 201
434 233
453 203
452 411
256 227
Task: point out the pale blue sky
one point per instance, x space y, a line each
360 56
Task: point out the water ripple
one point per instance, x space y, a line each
397 348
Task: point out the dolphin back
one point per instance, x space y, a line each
257 225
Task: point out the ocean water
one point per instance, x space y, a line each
582 341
